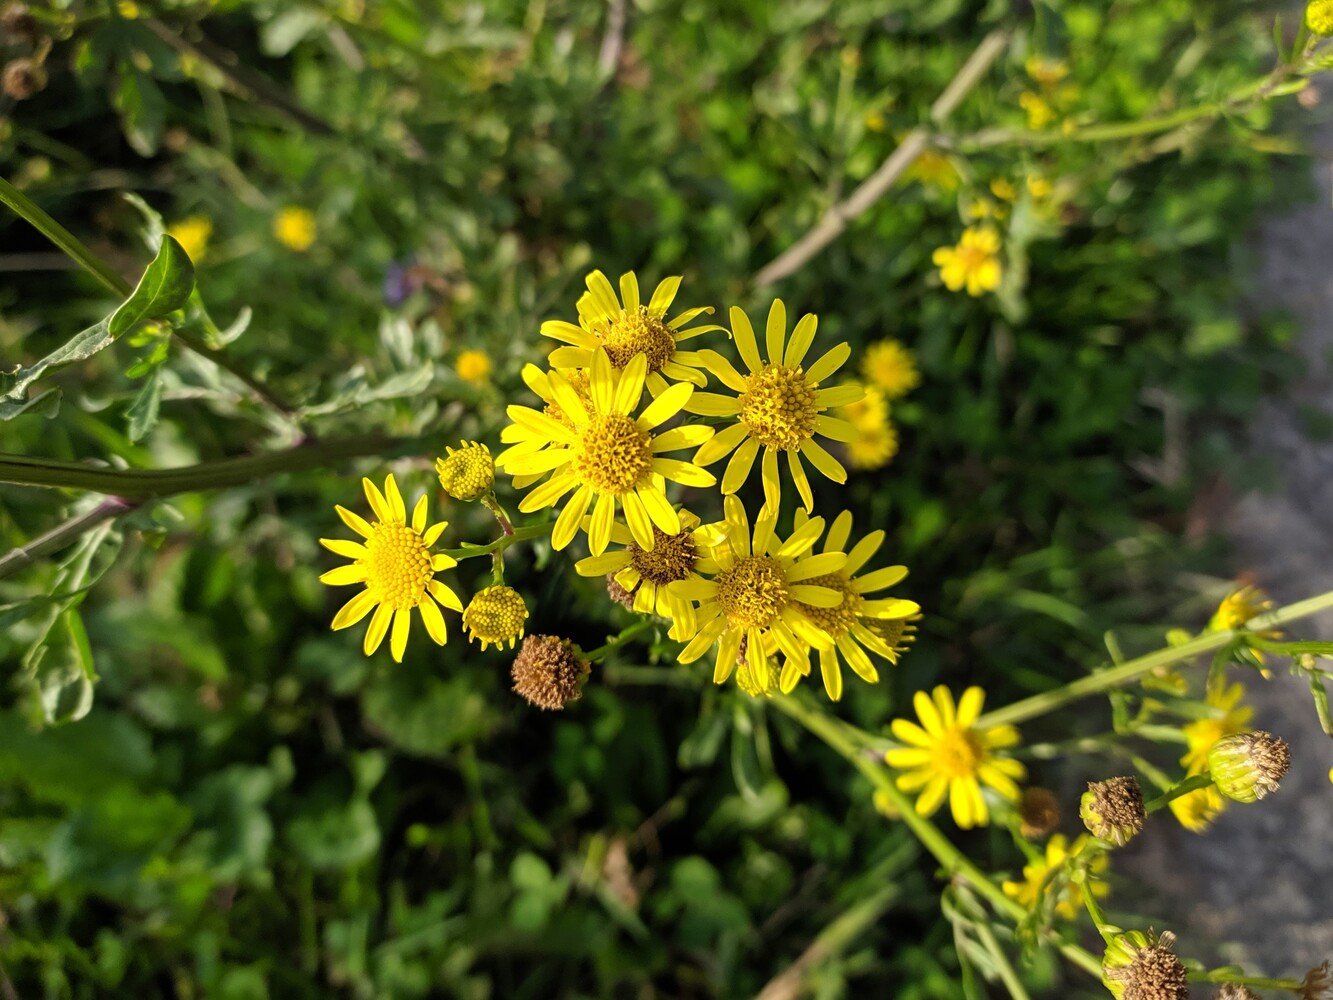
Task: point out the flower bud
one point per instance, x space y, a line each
1113 809
467 474
495 615
1138 966
1319 17
1247 766
549 671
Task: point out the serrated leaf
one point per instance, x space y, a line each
165 287
45 404
142 413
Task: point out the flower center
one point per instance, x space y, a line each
957 753
835 621
753 591
633 333
672 557
778 406
398 565
972 258
614 455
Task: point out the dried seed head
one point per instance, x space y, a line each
1038 812
1247 766
549 671
617 593
19 24
1234 991
1113 809
1138 966
23 78
1318 984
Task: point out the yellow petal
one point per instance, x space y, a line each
343 576
434 621
801 339
738 469
355 521
775 331
665 406
345 548
567 524
379 625
354 610
402 624
745 342
829 363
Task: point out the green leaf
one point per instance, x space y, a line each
64 671
46 403
142 414
83 345
142 110
165 287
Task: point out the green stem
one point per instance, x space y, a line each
833 732
26 208
1002 965
61 535
625 673
1095 912
1190 784
1103 680
506 528
626 634
503 542
148 484
1229 976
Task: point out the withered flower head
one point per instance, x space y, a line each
1235 991
1318 984
1038 812
1138 966
617 593
549 671
1247 766
1113 809
22 78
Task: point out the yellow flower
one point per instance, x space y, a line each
981 209
605 453
892 367
874 447
875 121
758 596
779 406
1046 875
648 573
468 473
473 366
1004 189
846 622
1232 716
1319 17
1039 187
495 615
1046 71
974 263
933 169
1197 810
294 228
1040 112
1239 607
396 566
192 234
129 11
629 330
948 755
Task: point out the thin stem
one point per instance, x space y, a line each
1002 964
832 732
147 484
874 187
506 528
519 534
626 634
61 535
1190 784
1104 680
1229 976
630 674
1095 912
262 392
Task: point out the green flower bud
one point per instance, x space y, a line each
1113 809
1138 966
1247 766
467 474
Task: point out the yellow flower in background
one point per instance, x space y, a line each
1004 189
758 597
129 10
1039 111
605 454
1232 716
946 755
473 366
495 615
779 406
973 264
891 366
874 447
875 121
397 568
1037 877
934 170
193 234
629 330
980 209
649 573
1196 810
1319 17
1045 71
295 228
1039 187
846 623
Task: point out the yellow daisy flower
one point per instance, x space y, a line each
473 366
779 406
974 263
1039 110
1197 810
606 454
295 228
934 169
1046 70
844 623
1048 874
631 329
1239 607
947 755
891 367
396 566
1232 717
1004 189
759 595
193 235
874 447
648 573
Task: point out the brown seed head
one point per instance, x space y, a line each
617 593
549 671
1234 991
1113 809
23 78
18 24
1038 812
1247 766
1318 984
1152 972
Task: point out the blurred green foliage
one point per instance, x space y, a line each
252 809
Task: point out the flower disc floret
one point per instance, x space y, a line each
838 621
779 407
397 565
753 592
495 616
614 454
671 558
638 332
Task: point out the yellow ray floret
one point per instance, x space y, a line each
779 405
856 623
758 598
396 566
629 329
947 755
1046 877
602 452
